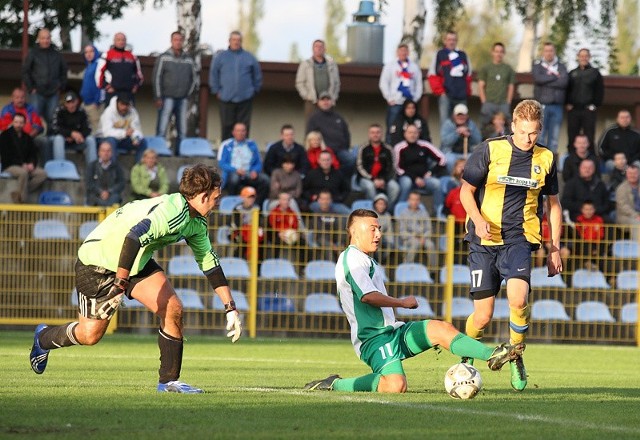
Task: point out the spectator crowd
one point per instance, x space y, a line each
394 166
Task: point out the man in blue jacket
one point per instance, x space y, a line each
241 165
235 78
92 96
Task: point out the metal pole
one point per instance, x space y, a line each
25 28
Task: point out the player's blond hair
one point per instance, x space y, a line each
528 110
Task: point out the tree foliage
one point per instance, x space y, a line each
480 31
248 18
625 51
335 15
562 15
61 14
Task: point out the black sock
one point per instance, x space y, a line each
59 336
170 357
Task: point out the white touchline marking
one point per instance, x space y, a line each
422 406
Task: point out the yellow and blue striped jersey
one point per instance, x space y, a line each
510 184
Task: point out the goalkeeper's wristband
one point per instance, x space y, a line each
121 283
230 307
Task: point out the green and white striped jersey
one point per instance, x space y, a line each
169 223
357 274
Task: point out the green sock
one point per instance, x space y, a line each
368 382
464 346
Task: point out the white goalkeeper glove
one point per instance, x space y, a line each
234 325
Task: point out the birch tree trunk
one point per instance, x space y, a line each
414 19
190 24
526 54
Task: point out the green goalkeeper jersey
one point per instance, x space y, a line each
169 223
357 274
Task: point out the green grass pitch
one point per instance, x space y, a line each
253 391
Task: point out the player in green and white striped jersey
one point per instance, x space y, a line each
378 339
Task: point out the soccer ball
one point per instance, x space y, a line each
462 381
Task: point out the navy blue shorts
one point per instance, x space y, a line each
489 265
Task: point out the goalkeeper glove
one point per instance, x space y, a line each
234 325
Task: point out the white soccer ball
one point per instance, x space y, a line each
462 381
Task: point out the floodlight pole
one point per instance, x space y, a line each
25 28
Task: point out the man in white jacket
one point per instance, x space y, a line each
401 79
316 75
120 126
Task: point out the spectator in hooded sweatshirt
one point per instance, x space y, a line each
92 96
44 73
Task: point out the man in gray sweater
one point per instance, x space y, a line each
174 79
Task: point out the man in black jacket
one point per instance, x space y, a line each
619 138
581 151
286 146
70 129
105 179
335 132
376 171
417 164
585 93
19 157
586 186
44 73
325 177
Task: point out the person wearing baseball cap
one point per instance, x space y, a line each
70 129
120 125
457 131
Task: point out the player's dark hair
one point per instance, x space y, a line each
358 213
198 179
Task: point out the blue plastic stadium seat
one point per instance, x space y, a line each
321 303
227 203
413 273
589 279
593 311
627 280
61 170
424 309
183 265
461 275
55 198
275 303
159 145
85 229
362 204
548 310
190 299
196 147
180 172
629 313
235 267
501 309
50 230
320 270
539 278
277 268
625 249
401 206
461 307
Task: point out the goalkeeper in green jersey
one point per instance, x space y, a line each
378 339
116 259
